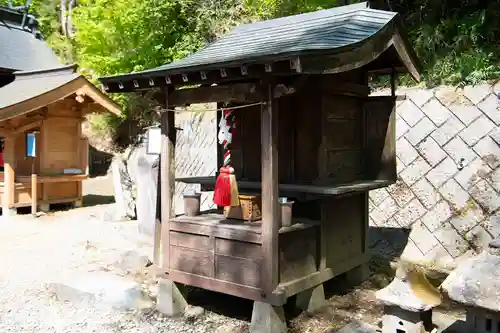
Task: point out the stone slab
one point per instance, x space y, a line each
98 288
132 262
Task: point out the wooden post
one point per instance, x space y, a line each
393 82
220 154
44 163
9 174
270 207
34 193
166 184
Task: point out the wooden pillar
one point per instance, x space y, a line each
220 154
44 162
393 82
166 185
270 207
9 174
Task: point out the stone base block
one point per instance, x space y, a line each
396 319
358 275
9 212
482 321
170 300
77 204
311 300
267 318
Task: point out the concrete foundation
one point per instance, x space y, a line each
311 300
267 318
170 300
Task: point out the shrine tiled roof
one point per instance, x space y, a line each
27 85
31 90
329 31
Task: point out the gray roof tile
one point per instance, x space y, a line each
324 30
27 85
20 49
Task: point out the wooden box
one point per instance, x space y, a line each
248 210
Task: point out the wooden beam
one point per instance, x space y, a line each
27 127
296 286
270 209
348 89
275 298
167 170
6 132
239 92
9 173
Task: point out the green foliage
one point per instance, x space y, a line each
456 41
119 36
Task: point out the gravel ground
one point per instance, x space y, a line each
35 252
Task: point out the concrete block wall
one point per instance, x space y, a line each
445 204
195 153
447 193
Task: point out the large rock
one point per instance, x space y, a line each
100 289
132 262
123 188
476 283
143 171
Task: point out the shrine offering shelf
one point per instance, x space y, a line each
208 183
213 224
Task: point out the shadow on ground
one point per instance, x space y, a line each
99 162
90 200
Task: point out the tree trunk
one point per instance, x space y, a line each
63 12
70 30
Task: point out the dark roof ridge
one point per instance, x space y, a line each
251 26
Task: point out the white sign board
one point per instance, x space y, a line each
154 141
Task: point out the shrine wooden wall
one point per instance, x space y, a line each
330 132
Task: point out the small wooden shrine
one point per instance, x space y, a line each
303 127
51 104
